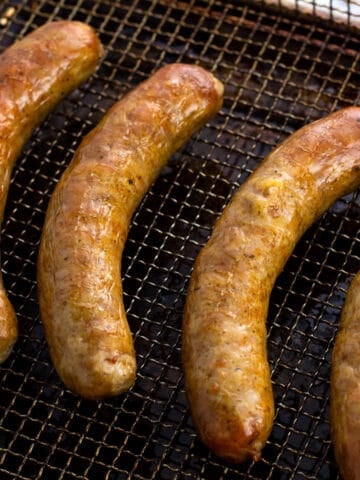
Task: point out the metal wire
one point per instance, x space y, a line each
280 72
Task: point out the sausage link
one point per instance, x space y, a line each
88 218
345 387
35 74
227 376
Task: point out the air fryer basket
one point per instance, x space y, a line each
281 69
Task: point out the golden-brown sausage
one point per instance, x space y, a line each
227 376
345 387
88 218
35 74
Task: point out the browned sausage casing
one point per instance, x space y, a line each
227 375
345 387
88 218
35 74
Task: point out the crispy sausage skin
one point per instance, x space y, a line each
35 74
227 376
88 218
345 387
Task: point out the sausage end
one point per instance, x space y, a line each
8 327
99 377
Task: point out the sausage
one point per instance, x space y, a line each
35 74
87 222
345 387
227 375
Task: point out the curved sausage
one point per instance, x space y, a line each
35 74
88 218
227 376
345 387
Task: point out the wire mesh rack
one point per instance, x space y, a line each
280 70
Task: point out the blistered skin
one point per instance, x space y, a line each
345 387
88 218
227 375
35 74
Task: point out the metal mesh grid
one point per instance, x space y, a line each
280 72
341 11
